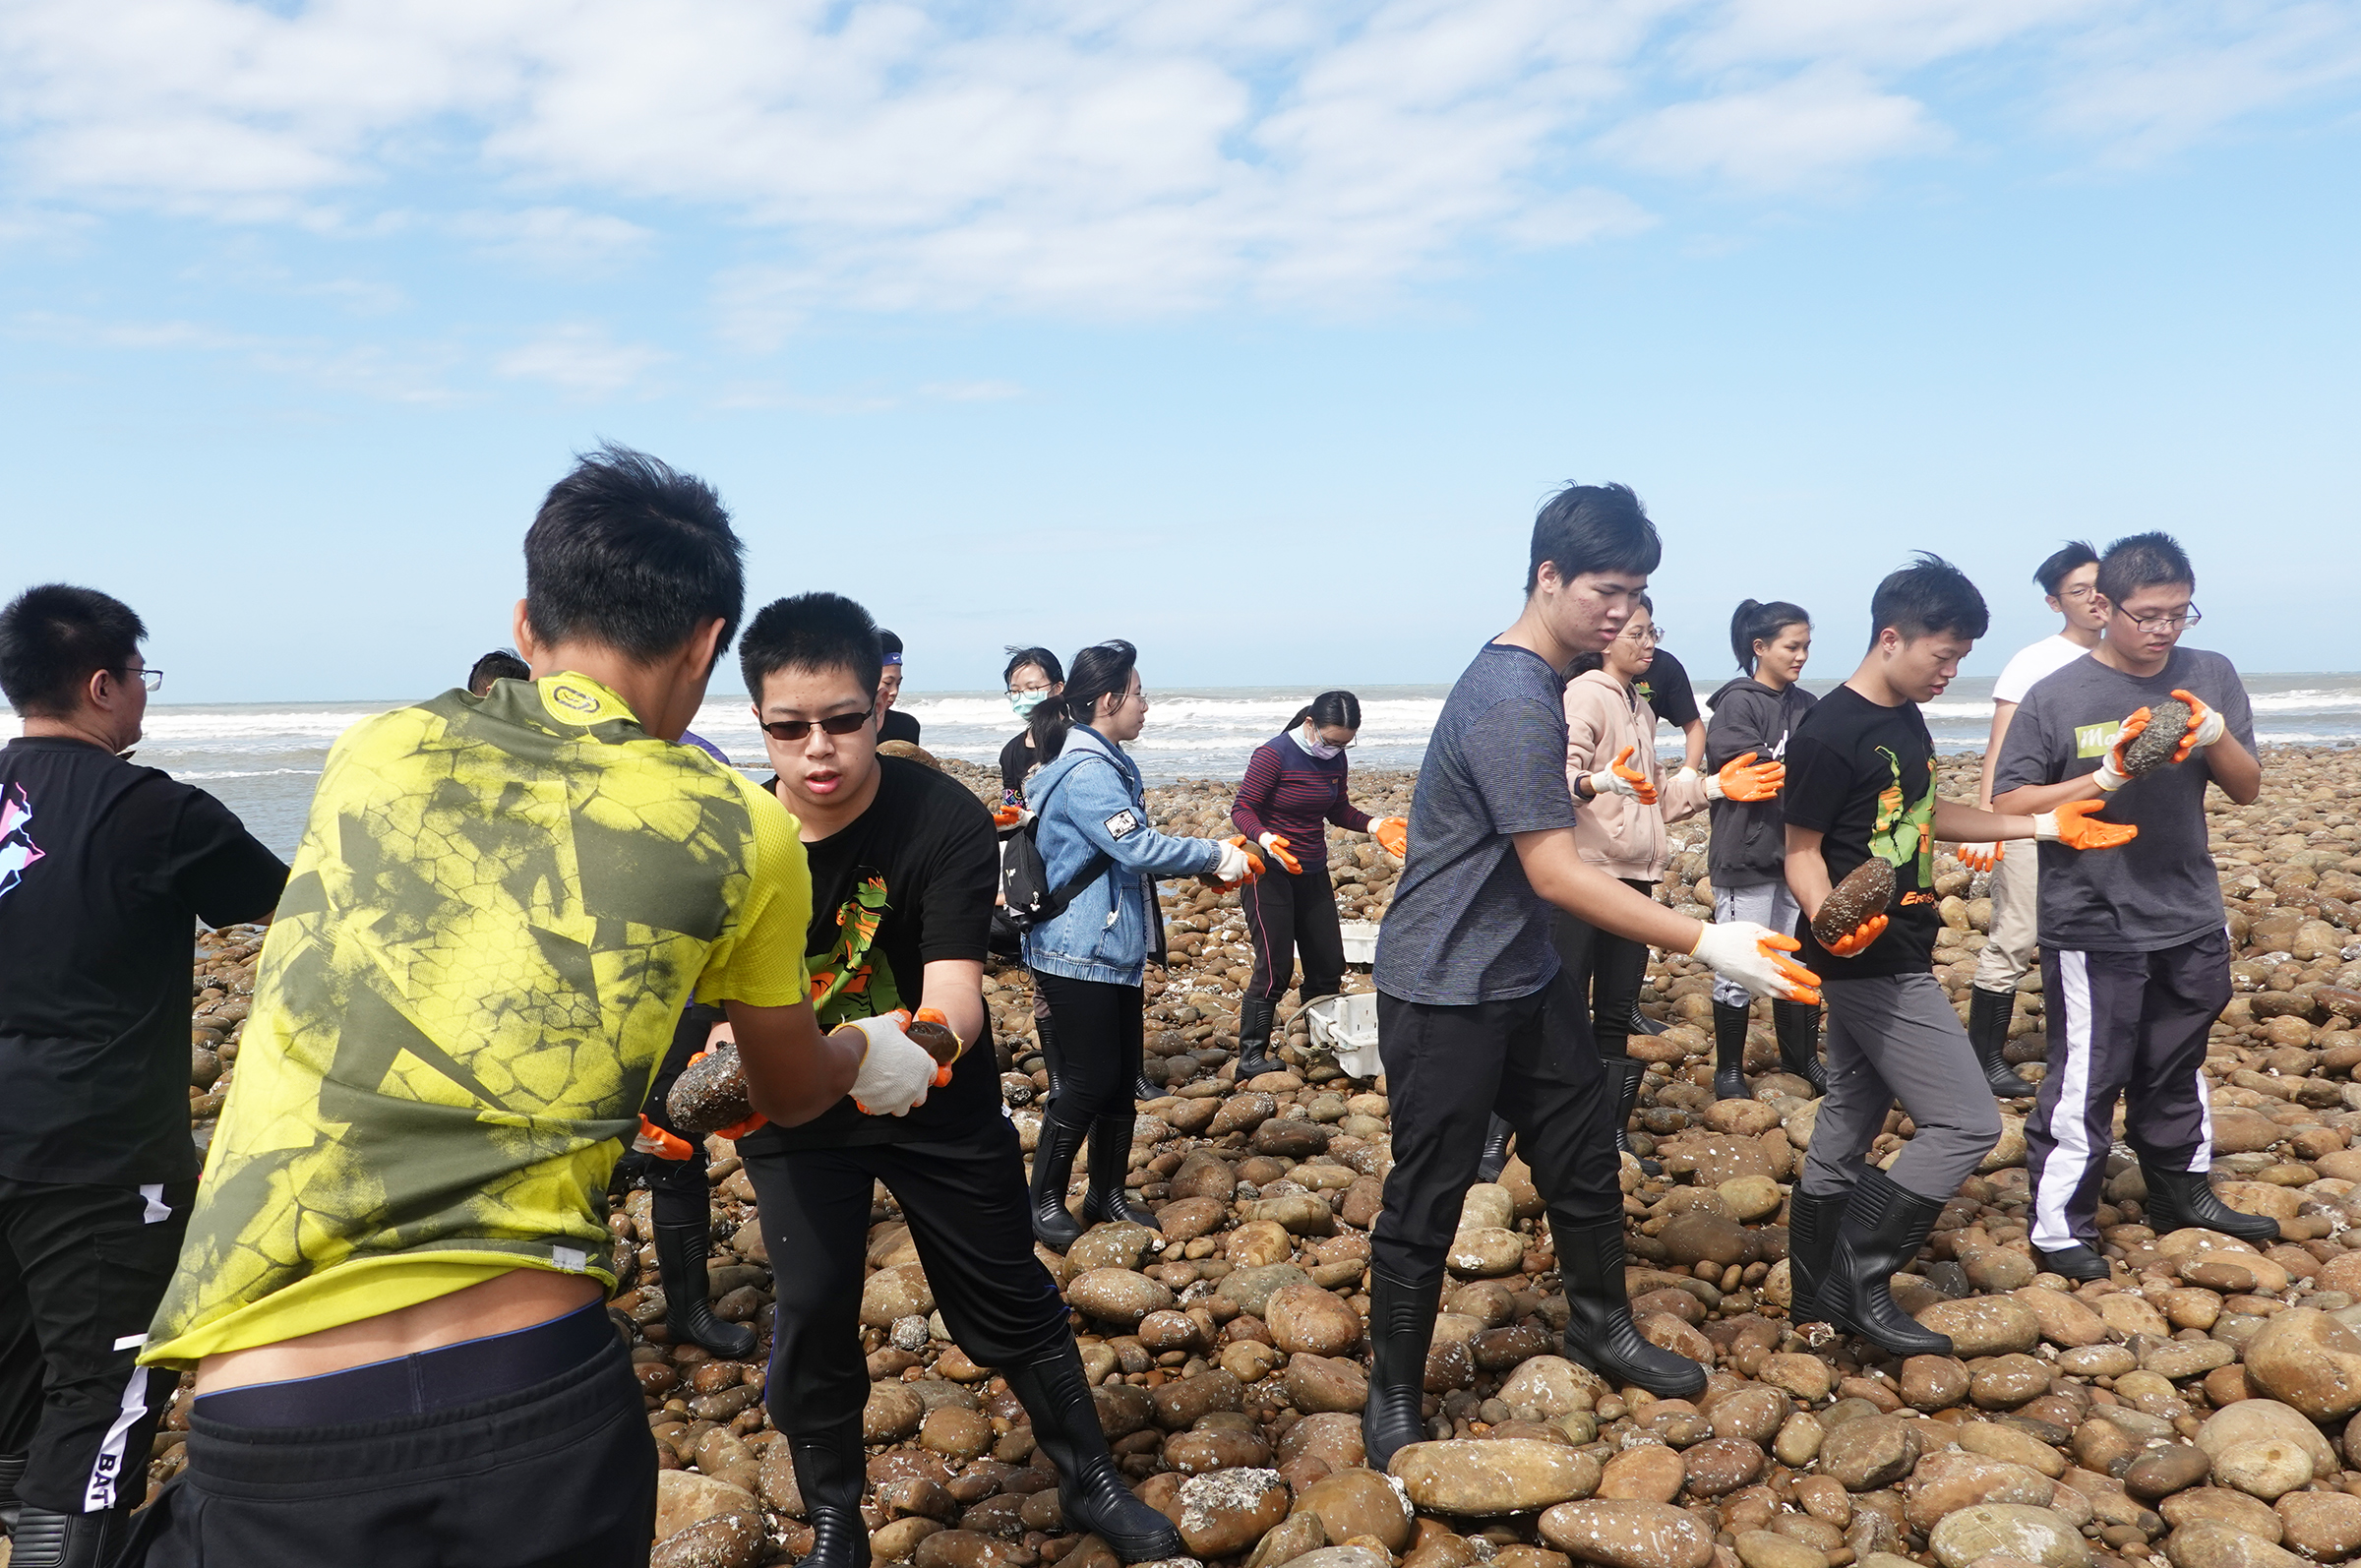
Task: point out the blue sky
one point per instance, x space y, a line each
1253 333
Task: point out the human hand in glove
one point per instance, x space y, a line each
1858 939
1980 857
2072 825
2205 724
1275 846
1742 778
2112 774
1392 834
896 1071
932 1029
1620 778
1755 957
721 1036
655 1140
1238 866
1008 817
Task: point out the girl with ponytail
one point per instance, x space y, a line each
1752 718
1295 787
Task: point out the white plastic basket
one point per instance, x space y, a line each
1361 941
1348 1027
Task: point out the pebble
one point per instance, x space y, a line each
1357 1502
1304 1318
1628 1534
1868 1453
2007 1529
1481 1479
2323 1525
1226 1513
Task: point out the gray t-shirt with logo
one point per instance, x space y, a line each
1465 925
2161 889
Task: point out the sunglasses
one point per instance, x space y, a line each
835 724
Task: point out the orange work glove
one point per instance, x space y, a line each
1742 778
652 1139
1392 834
1276 845
1619 778
2205 724
958 1046
1008 816
1238 866
1980 857
1755 956
2072 825
2112 773
1860 937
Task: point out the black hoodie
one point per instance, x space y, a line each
1750 842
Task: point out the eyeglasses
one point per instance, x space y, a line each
153 680
835 724
1650 635
2082 593
2165 623
1030 690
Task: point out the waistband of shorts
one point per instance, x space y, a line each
360 1445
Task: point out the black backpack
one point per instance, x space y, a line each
1028 899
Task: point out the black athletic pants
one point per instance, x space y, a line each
1607 971
1447 1070
2129 1024
676 1189
1287 914
969 1214
81 1268
1099 1032
559 1473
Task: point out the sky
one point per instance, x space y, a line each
1253 333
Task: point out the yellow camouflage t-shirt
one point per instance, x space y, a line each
498 911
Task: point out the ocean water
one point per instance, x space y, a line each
262 760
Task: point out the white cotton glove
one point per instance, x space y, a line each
1236 865
2210 727
1980 857
1755 957
896 1071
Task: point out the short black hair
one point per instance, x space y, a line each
1592 528
1041 659
56 636
498 665
2076 555
631 554
810 632
2142 560
1928 596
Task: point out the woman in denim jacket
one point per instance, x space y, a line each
1089 958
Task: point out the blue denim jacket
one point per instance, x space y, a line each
1091 802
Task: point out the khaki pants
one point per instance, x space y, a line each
2016 912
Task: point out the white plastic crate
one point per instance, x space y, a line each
1348 1026
1361 941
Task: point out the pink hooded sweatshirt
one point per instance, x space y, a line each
1615 832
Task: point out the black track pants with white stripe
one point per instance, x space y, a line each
81 1268
2129 1024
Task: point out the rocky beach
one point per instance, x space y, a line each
2202 1406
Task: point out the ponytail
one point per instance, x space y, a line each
1102 670
1757 622
1338 710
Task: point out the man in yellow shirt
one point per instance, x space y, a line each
392 1283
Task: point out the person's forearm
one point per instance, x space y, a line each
1562 877
1692 754
2235 768
2029 799
1957 823
793 1071
2001 713
955 988
1807 878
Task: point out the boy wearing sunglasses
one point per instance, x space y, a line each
904 865
2135 954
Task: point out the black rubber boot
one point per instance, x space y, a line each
1495 1150
1881 1229
681 1252
1401 1329
1729 1051
1988 1013
45 1539
1254 1019
1625 1074
1060 1140
1090 1490
2076 1263
1043 1033
1797 1025
2179 1199
1142 1089
1642 1024
1811 1243
1110 1162
830 1469
12 1471
1599 1332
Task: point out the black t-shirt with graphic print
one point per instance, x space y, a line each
1664 686
1865 776
908 883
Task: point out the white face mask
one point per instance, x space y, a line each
1308 737
1024 702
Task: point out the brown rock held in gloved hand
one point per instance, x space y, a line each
2152 747
1863 894
710 1094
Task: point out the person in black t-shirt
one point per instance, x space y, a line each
892 723
104 869
904 868
1666 688
1861 783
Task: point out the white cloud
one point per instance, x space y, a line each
1077 157
581 360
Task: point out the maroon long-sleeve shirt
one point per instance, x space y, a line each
1289 792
